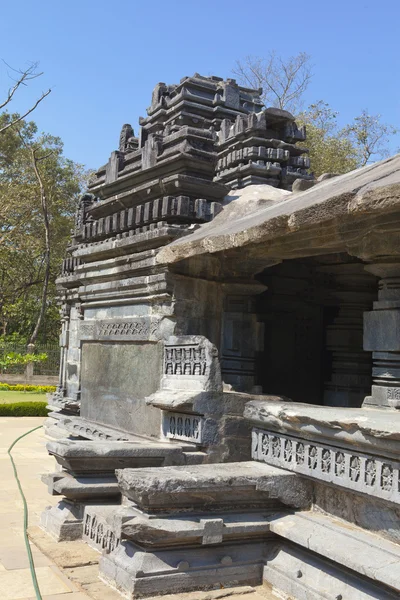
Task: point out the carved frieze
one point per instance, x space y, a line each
356 471
187 359
139 329
180 426
191 363
99 533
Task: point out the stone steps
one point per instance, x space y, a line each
195 527
347 546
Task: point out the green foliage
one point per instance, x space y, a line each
330 153
24 409
22 233
34 389
13 339
15 358
330 150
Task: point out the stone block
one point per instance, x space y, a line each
63 522
102 525
382 331
233 484
85 488
371 431
191 363
295 573
79 457
347 468
346 545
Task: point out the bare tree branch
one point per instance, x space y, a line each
23 76
28 112
283 81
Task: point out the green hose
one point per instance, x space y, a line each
28 547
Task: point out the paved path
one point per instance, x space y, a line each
32 460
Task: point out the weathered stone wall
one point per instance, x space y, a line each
116 377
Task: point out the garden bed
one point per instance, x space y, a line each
22 404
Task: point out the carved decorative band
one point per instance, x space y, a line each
100 533
179 426
141 329
85 429
185 360
168 209
370 475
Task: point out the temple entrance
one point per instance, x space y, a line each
312 313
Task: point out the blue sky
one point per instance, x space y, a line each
102 59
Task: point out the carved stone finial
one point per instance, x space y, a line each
126 133
85 201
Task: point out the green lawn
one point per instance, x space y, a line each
11 397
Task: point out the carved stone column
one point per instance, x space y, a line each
350 373
382 336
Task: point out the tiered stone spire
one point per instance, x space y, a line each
200 138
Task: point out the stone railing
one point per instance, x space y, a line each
360 472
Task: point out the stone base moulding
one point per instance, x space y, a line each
63 522
304 576
136 573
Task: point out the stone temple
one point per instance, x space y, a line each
228 405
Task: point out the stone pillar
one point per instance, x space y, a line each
350 377
242 336
63 348
382 336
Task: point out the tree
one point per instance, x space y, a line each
370 136
330 148
339 150
36 160
283 81
14 207
39 189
